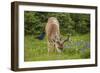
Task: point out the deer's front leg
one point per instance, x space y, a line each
50 49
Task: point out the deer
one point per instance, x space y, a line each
54 41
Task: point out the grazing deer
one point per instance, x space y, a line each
55 43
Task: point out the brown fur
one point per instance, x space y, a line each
52 28
53 35
52 32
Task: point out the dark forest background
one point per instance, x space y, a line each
73 23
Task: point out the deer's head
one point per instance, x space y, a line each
59 42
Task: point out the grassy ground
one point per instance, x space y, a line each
36 50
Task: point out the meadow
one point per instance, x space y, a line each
77 48
76 24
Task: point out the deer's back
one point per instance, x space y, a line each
52 30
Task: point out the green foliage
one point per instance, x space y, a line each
82 22
69 22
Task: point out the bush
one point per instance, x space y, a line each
69 22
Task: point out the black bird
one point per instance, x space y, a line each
41 36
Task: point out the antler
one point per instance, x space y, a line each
67 39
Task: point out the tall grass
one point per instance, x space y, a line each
36 50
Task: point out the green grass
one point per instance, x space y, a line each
36 50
